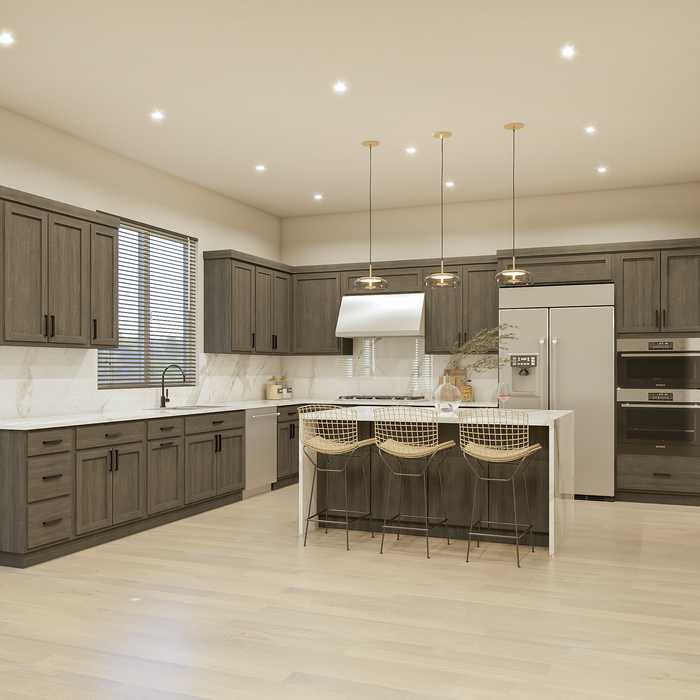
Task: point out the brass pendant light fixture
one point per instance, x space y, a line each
442 278
370 283
514 277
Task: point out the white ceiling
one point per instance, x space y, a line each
250 82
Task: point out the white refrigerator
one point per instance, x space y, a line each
564 359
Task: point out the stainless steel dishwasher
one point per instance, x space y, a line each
260 450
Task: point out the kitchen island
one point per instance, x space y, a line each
550 480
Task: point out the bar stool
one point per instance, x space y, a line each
496 435
332 431
410 434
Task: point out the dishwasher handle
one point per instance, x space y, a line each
266 415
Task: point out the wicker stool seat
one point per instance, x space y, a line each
494 435
331 431
407 433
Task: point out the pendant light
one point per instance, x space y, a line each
370 283
513 277
442 278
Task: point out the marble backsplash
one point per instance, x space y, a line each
37 382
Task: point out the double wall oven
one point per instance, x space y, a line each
658 415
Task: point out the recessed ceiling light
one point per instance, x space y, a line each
449 184
410 150
590 129
157 115
340 87
568 51
602 169
6 38
260 167
318 196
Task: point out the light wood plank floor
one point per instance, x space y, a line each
229 605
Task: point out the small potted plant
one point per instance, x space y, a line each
487 344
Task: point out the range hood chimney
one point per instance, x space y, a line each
381 316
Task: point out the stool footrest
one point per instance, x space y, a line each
433 522
324 516
523 529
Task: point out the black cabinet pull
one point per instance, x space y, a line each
116 460
662 475
274 342
53 326
253 339
656 322
53 476
55 521
664 319
168 427
94 329
111 460
52 442
217 422
291 430
46 326
166 444
112 434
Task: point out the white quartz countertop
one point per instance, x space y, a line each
365 412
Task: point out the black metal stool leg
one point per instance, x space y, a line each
425 497
529 518
311 500
515 516
386 510
369 499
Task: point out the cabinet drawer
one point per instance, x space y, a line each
48 521
108 434
657 473
162 428
208 422
287 413
44 442
49 476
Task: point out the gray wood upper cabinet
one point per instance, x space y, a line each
104 262
246 308
455 314
400 279
47 272
658 291
584 268
315 316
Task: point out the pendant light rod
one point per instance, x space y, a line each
513 127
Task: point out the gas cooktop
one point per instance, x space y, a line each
358 397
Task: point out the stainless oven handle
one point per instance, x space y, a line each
653 404
660 353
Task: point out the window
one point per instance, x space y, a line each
157 301
363 366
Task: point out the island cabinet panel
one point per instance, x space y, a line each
455 314
658 291
104 260
316 305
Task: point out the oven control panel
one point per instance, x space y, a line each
660 396
660 345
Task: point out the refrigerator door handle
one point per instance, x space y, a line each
553 376
542 399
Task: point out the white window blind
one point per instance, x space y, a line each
157 302
364 365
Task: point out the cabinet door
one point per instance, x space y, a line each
128 476
680 290
264 280
200 468
294 448
284 434
242 307
104 330
166 474
68 280
637 292
316 306
93 490
443 316
217 306
479 299
24 274
281 313
230 462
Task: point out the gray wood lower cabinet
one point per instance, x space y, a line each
287 443
109 486
67 489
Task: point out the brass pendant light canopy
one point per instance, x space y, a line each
370 283
442 279
514 277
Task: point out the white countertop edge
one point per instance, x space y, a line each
365 412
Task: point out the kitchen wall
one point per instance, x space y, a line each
482 228
43 161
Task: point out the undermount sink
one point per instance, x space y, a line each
194 408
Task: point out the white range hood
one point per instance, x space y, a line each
381 316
